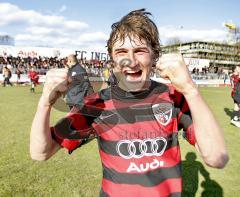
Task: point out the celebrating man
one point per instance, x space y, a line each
136 120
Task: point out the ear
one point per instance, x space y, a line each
155 59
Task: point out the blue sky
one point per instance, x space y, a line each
86 24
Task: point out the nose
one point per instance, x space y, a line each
130 61
133 61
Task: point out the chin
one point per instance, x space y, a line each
134 85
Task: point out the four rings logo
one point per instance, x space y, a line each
162 112
139 148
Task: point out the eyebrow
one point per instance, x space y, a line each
141 48
120 49
137 48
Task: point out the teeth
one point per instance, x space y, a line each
131 72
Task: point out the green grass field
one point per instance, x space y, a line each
79 174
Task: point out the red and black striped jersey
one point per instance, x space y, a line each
234 79
137 135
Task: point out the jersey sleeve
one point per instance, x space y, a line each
75 129
184 118
72 131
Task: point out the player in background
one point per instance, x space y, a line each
235 82
34 77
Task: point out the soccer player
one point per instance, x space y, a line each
7 74
235 82
33 75
137 120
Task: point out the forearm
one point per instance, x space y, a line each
209 135
42 146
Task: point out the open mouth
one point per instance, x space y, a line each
133 75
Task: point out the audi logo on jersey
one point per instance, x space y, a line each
139 148
162 112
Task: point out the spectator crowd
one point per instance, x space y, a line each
22 65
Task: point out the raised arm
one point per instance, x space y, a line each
42 146
209 136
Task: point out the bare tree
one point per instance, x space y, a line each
173 41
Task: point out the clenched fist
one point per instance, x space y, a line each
56 83
173 67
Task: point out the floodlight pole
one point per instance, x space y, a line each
180 44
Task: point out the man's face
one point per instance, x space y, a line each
133 60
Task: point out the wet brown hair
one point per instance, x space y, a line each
136 23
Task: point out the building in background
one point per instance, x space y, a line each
199 54
7 40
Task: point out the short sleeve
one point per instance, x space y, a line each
72 131
184 118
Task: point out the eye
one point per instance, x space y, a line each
141 51
120 52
